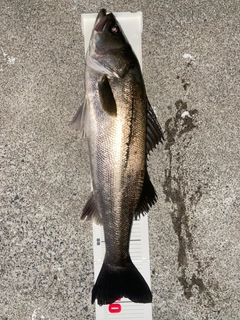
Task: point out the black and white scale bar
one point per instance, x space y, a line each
139 251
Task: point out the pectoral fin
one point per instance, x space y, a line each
154 131
106 97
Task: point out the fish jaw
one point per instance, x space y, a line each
109 51
102 20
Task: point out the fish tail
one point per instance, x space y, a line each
117 282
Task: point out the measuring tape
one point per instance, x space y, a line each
139 252
131 24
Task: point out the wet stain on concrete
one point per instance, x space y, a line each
183 198
178 125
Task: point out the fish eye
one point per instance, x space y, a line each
114 29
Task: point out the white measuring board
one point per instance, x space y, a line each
124 309
139 251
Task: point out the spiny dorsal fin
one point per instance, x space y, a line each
154 131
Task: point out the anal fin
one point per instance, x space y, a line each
90 211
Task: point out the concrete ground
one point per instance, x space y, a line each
191 70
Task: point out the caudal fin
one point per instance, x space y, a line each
117 282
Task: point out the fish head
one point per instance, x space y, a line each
109 51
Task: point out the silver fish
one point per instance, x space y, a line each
121 128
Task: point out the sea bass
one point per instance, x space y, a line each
121 128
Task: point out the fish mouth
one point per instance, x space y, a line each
101 21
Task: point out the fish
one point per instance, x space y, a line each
121 130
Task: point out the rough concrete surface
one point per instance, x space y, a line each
191 70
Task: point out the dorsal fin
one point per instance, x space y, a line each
148 197
154 131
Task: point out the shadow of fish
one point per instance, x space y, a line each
121 129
